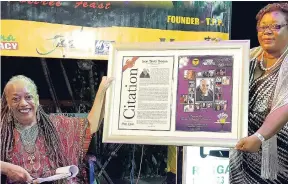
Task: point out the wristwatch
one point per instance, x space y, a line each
260 137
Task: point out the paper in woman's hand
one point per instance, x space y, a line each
61 173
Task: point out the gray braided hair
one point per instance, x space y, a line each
46 129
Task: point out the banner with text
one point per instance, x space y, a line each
84 30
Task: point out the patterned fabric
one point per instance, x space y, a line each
245 168
75 137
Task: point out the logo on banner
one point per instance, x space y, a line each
8 43
58 41
102 47
195 62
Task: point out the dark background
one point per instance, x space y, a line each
154 161
122 14
244 20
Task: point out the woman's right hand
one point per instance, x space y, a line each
15 173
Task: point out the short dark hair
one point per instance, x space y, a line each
282 7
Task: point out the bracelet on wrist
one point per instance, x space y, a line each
260 137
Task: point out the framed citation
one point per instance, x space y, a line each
178 93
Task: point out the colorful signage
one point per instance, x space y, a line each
85 30
8 43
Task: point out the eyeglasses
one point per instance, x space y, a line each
272 27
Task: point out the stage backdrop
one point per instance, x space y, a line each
84 30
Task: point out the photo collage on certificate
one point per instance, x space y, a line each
145 97
204 93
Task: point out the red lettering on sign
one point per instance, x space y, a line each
58 3
51 3
107 6
78 4
91 5
101 6
44 3
85 4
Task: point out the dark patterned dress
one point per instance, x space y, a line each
245 168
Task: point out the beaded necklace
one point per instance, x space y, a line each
279 59
28 137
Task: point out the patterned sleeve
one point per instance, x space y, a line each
281 92
75 136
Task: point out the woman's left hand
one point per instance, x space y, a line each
249 144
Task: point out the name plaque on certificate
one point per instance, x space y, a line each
179 93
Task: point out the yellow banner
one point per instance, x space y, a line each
38 39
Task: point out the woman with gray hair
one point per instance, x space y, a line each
34 144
